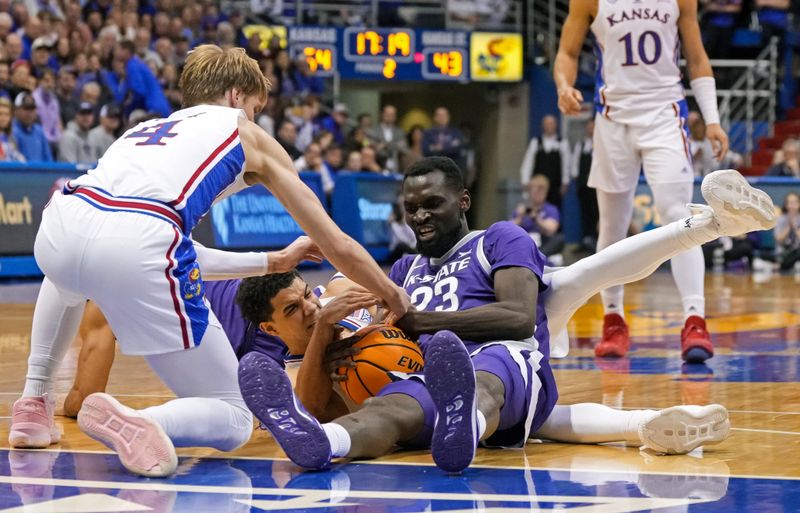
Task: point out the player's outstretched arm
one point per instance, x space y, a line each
314 386
94 360
702 76
269 164
216 264
565 67
512 317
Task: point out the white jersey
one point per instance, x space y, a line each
186 162
638 48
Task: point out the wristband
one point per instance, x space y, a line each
705 92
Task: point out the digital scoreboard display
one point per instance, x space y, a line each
408 54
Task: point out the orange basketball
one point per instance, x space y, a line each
383 349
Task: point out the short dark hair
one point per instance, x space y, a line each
453 176
255 295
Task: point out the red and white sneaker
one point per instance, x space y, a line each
615 341
696 346
32 423
142 446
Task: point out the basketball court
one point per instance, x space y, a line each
755 374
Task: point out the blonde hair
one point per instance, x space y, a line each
211 71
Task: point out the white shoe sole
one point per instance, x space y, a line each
141 444
680 429
728 192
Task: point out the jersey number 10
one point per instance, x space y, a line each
642 47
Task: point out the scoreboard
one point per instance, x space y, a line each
408 54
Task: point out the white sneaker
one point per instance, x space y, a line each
681 429
738 207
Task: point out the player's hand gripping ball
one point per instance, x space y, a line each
382 349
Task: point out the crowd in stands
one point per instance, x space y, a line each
721 18
330 144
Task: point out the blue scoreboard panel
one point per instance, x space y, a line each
408 54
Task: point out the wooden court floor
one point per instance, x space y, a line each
755 322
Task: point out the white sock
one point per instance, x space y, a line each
693 305
339 439
589 423
481 418
56 320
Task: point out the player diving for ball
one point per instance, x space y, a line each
487 374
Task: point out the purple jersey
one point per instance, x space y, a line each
243 335
463 278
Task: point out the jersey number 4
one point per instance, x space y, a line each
154 135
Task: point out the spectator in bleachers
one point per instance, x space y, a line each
140 88
787 163
8 145
356 139
335 122
365 123
165 50
312 162
29 135
266 118
369 161
47 107
65 92
21 78
304 81
42 57
390 138
787 232
303 117
74 145
169 83
91 92
548 154
412 153
105 133
702 150
719 24
141 42
353 164
442 139
539 218
287 137
332 155
14 48
773 16
6 24
32 28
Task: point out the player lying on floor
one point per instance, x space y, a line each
496 384
288 321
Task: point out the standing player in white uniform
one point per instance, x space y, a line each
119 236
641 123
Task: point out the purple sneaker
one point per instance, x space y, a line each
268 393
450 379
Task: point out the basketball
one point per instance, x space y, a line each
383 349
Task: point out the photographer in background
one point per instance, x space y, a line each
539 218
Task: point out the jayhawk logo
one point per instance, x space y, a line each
492 61
193 287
